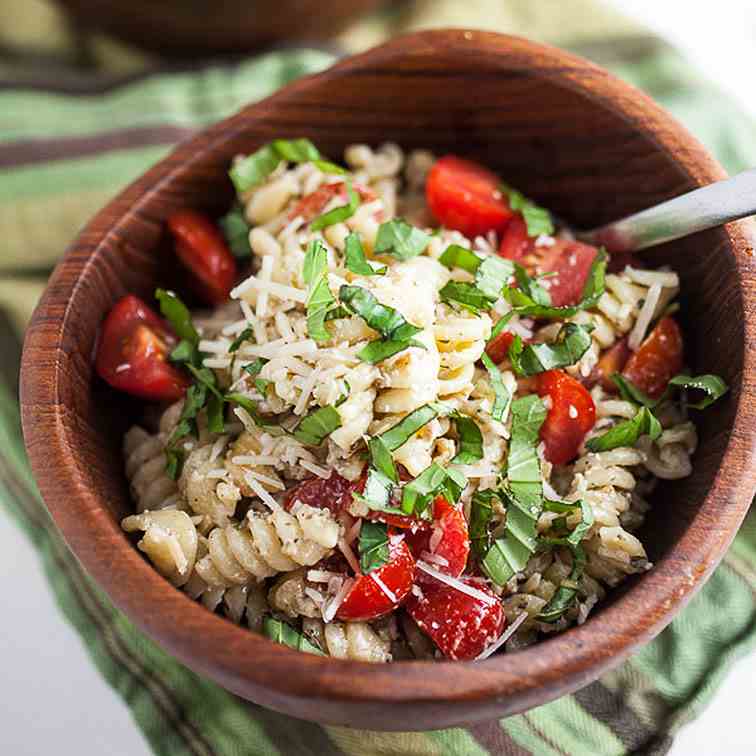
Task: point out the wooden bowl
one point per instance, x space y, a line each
188 28
564 131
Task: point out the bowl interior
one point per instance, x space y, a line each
564 133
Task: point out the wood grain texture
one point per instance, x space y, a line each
188 28
565 132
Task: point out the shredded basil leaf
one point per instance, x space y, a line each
380 456
215 420
631 393
377 493
466 294
356 260
235 230
390 323
178 315
562 600
254 168
712 386
433 481
319 297
470 440
338 214
247 334
326 166
581 529
373 546
286 635
492 275
379 350
456 256
628 432
502 395
501 324
253 369
400 433
537 219
296 150
206 377
194 401
398 238
316 426
481 514
594 285
572 342
183 352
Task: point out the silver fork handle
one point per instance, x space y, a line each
703 208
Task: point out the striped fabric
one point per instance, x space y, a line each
63 153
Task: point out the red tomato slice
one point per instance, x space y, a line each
332 493
571 416
201 248
461 626
132 354
403 522
450 537
659 358
498 348
313 204
367 600
465 196
611 361
515 242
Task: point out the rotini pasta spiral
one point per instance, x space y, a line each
348 640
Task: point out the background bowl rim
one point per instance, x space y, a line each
559 664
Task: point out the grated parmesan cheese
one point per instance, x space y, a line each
281 291
330 609
504 637
321 472
454 582
264 496
645 317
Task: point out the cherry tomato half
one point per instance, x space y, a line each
571 416
367 600
659 358
202 249
515 243
333 493
465 196
498 348
132 354
453 546
461 626
611 361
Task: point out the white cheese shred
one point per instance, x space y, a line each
255 485
454 583
504 637
645 317
330 609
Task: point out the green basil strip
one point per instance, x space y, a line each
178 315
586 518
236 230
628 432
206 377
315 427
296 150
594 285
254 169
338 214
373 546
194 401
250 407
390 323
398 238
185 352
712 386
253 369
246 335
481 514
470 440
501 324
400 433
417 494
468 295
503 397
456 256
326 166
379 350
565 595
631 393
537 219
493 275
572 342
378 492
320 297
355 258
215 420
381 459
286 635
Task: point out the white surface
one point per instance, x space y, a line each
53 700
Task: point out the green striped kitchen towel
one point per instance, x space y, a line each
68 143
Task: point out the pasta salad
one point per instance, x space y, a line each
410 416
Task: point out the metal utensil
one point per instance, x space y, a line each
703 208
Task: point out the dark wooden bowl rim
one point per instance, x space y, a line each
255 667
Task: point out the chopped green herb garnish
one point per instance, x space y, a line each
433 481
470 440
253 369
246 335
712 386
481 514
380 457
194 401
319 297
502 395
501 324
562 600
377 493
215 420
537 219
315 427
296 150
491 276
400 433
398 238
254 169
328 167
468 295
178 315
456 256
572 342
184 352
631 393
236 230
581 529
356 260
373 545
286 635
379 350
338 214
628 432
